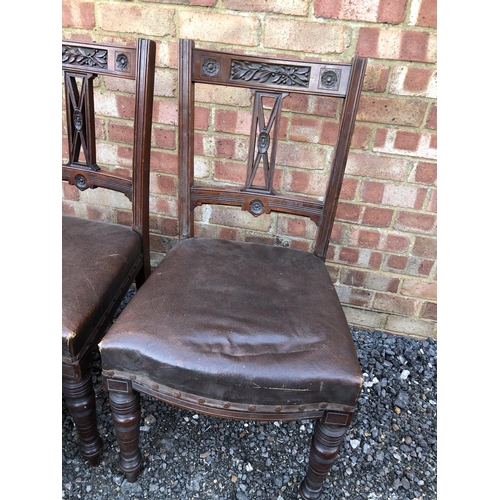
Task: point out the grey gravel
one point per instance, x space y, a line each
388 454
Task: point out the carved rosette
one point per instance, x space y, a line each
81 182
279 74
330 78
210 66
82 56
122 62
256 207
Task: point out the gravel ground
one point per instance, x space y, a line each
389 453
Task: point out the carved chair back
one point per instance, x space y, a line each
82 63
271 82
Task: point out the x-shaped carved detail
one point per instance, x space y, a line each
80 120
264 136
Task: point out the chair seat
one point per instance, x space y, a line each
96 259
266 317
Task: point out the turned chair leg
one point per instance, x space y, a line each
325 446
126 413
80 399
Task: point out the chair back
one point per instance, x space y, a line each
271 82
82 63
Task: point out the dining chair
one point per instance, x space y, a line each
101 260
242 329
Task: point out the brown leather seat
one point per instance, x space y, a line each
267 317
100 260
236 329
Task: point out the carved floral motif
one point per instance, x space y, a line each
210 67
270 73
121 62
82 56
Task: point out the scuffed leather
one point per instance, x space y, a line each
96 258
239 322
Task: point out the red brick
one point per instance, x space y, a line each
426 173
378 167
298 103
414 45
305 246
148 20
70 192
406 140
364 238
412 221
349 255
429 311
427 15
124 217
163 184
201 3
225 148
327 8
120 132
367 45
291 7
370 280
432 117
214 26
398 305
397 243
337 235
417 79
349 187
230 172
78 14
125 106
361 137
379 217
296 227
325 106
163 138
425 267
201 118
394 111
376 78
163 162
375 260
349 212
380 137
419 289
372 192
432 206
306 129
425 247
398 262
303 36
68 209
392 12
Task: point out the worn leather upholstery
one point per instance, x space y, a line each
96 258
266 317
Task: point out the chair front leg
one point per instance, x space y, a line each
126 413
80 399
328 435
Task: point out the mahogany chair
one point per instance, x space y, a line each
100 260
235 329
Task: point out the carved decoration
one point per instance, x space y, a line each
279 74
81 182
263 137
83 56
210 67
80 116
122 62
256 207
330 78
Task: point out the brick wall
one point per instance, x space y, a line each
382 257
